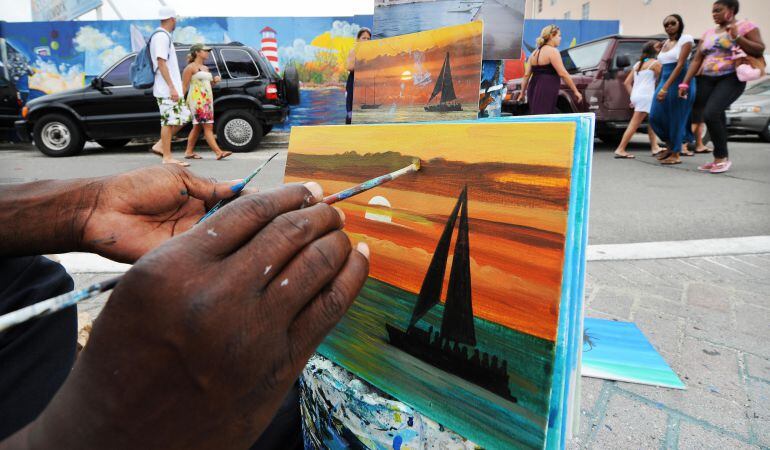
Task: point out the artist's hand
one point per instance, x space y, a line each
136 211
202 338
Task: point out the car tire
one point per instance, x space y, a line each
239 131
266 129
58 135
113 143
291 84
765 134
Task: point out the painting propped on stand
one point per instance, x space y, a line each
471 314
428 76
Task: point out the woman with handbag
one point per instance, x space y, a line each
730 55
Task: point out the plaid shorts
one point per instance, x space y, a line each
173 112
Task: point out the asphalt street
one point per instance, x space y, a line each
631 200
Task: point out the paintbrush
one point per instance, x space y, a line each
374 182
60 302
236 189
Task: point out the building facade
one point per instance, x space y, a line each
645 17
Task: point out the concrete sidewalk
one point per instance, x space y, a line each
710 319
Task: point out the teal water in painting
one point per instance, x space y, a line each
619 351
359 343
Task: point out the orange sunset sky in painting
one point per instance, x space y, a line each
384 65
518 190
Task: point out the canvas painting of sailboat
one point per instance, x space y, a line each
462 313
395 73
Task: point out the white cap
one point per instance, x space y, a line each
166 12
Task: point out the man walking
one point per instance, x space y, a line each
174 113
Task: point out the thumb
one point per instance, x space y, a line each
211 191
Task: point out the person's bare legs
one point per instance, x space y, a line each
166 133
697 130
208 133
633 125
157 148
654 147
192 139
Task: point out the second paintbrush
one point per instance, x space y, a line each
373 183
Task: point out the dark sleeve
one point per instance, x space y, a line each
35 357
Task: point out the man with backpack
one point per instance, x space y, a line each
167 89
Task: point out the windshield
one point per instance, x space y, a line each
759 89
585 57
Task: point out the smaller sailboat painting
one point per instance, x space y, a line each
397 72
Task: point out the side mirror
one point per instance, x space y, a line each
97 83
622 61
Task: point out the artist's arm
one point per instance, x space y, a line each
163 68
121 217
202 338
684 53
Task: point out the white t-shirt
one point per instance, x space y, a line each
672 55
161 47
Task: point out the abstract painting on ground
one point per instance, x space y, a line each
461 313
619 351
428 76
503 21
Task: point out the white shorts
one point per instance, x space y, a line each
173 112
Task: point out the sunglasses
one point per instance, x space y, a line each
670 23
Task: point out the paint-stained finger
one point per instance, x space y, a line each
208 189
318 318
304 276
234 225
282 240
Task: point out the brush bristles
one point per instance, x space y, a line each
416 163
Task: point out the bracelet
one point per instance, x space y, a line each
684 86
664 91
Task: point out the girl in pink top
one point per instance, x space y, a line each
719 86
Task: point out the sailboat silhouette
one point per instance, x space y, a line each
372 105
448 349
445 87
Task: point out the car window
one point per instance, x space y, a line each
239 63
759 89
119 75
633 50
585 57
181 59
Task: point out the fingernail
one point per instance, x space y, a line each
341 213
315 189
238 186
363 249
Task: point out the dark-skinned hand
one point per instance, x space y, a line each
202 338
136 211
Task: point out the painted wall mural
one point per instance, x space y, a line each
49 57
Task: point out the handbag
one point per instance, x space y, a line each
747 67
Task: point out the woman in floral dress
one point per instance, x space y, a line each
197 81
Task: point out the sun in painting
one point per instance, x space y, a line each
379 210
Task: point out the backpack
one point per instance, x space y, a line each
141 72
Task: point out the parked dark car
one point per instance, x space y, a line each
750 114
598 68
10 104
249 101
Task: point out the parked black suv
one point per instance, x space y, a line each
10 104
249 100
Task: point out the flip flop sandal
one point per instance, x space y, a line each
193 156
663 155
705 150
625 156
671 162
721 167
156 152
179 163
687 153
224 155
707 167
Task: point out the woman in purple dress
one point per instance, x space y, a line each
544 72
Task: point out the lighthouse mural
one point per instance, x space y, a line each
270 46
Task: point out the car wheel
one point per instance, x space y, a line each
266 129
239 131
291 84
765 134
58 135
113 143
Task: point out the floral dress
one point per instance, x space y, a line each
200 98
